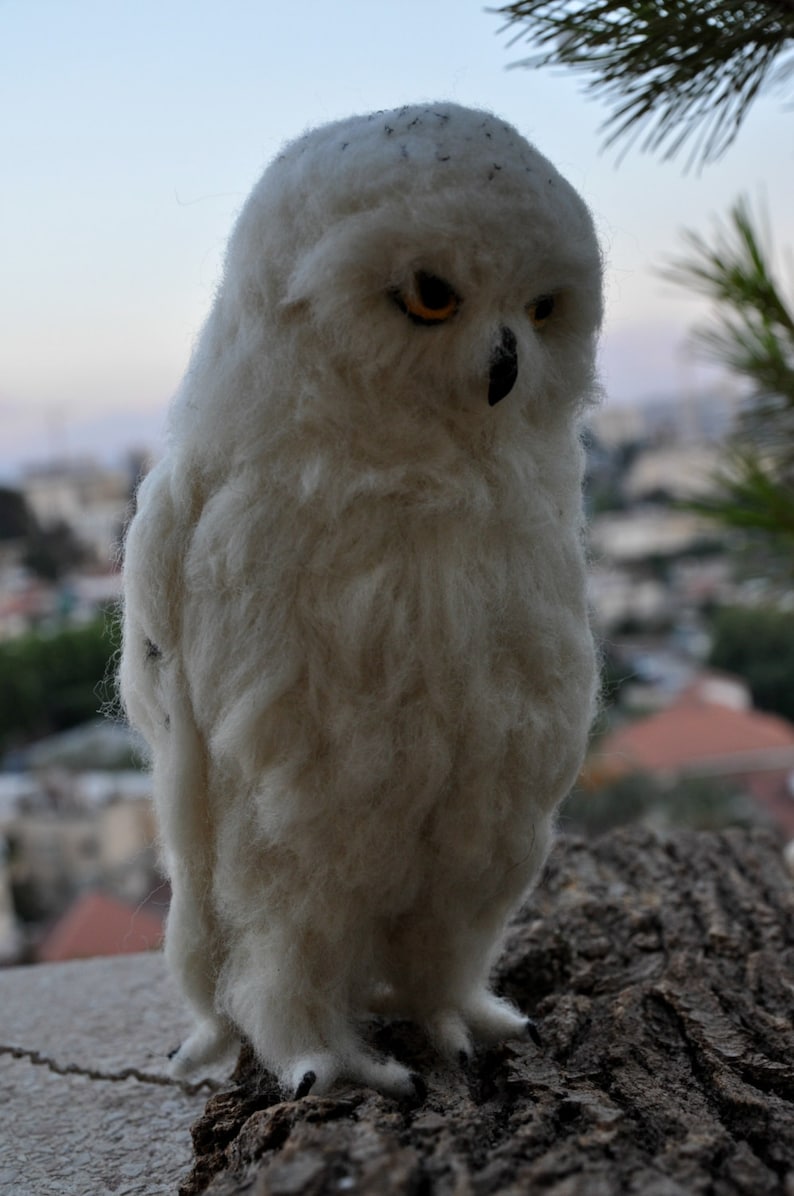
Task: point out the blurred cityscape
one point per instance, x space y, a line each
696 627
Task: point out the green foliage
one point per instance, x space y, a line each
48 552
51 682
758 645
698 803
748 496
16 521
681 69
753 329
53 551
752 333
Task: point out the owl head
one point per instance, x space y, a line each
425 264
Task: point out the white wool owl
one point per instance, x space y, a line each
356 636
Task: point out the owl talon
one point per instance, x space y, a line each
533 1032
420 1087
464 1059
172 1054
305 1086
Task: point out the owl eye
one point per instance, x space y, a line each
429 300
540 309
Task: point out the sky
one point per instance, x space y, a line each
132 130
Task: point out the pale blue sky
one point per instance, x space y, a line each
132 131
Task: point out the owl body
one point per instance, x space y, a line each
356 634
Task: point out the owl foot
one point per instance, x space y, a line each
305 1086
493 1020
209 1043
447 1031
317 1073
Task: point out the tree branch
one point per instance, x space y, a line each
682 71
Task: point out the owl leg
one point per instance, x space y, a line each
288 989
188 938
441 981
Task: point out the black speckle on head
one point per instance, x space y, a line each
442 116
416 121
152 651
403 151
442 157
389 129
167 722
345 144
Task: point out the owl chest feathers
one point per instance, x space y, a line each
420 641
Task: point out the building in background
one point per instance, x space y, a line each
91 499
67 834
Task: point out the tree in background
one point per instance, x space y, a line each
49 683
758 645
679 70
53 552
49 552
752 333
16 519
684 73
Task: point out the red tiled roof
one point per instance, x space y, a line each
688 735
98 924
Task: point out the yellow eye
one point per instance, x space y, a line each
430 300
540 309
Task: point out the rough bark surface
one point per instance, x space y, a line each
659 968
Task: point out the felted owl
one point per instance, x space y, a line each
356 636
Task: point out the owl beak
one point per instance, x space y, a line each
503 367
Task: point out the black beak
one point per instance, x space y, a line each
504 368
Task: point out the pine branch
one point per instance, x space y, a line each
752 331
748 494
751 497
681 71
752 334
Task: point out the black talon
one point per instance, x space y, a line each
420 1087
464 1059
533 1032
305 1086
174 1051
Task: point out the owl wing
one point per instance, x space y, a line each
151 677
157 700
151 570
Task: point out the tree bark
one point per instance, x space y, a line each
659 969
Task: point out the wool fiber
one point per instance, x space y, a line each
356 636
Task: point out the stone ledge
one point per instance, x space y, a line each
88 1105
